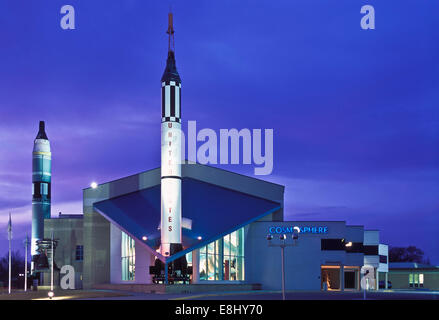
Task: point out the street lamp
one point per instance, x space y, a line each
282 245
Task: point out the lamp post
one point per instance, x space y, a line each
282 246
10 258
51 268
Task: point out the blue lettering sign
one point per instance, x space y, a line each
303 229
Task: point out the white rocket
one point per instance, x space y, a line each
171 153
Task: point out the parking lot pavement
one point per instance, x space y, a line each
370 295
276 295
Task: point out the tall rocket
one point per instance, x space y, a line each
41 189
171 153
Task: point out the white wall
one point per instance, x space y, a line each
115 254
371 237
143 259
383 250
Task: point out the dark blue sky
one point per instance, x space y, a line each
355 113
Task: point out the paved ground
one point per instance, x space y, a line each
59 294
270 295
248 295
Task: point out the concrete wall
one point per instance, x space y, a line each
69 233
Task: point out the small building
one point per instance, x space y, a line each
412 275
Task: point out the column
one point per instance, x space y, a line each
196 266
342 277
220 256
386 280
377 273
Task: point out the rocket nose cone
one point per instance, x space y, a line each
42 132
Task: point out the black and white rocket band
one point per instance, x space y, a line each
171 101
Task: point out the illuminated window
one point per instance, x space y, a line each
128 255
223 259
189 259
416 280
203 266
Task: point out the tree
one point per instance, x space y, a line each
408 254
17 267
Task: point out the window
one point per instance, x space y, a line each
332 244
416 280
79 253
383 259
203 267
223 259
36 190
43 188
355 247
233 260
371 250
128 255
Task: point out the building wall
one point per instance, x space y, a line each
400 279
69 233
302 262
144 259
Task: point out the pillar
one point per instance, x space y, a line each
377 279
341 277
196 266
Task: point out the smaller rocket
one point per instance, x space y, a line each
41 186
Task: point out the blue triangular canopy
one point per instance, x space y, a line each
215 211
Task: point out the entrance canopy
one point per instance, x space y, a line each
215 211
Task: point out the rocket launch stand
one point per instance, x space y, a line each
177 270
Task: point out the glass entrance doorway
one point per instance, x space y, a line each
330 278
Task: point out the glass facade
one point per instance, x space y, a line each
223 259
128 255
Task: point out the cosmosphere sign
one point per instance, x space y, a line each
290 229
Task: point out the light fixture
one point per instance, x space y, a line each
269 237
144 238
199 238
282 237
349 244
50 294
93 185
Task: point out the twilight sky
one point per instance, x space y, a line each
355 113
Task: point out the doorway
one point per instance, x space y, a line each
330 278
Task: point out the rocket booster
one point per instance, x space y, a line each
171 155
41 185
